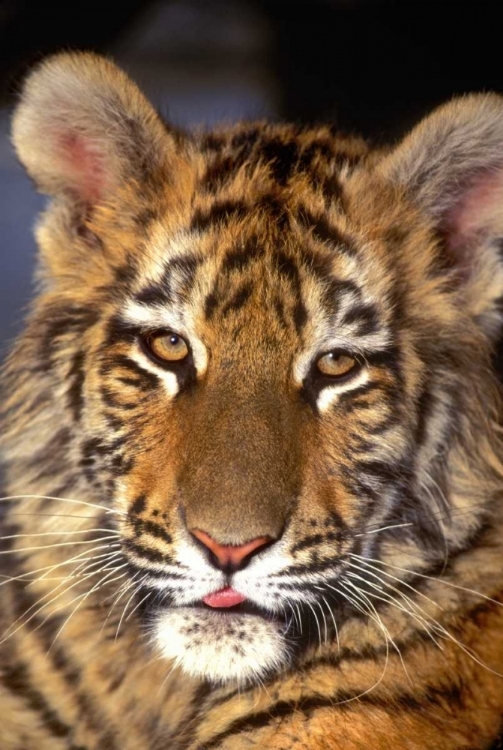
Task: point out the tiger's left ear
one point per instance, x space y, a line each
451 166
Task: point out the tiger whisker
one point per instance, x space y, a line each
50 568
63 500
117 596
386 661
324 621
316 621
384 596
22 618
104 581
138 605
385 528
370 570
57 544
430 578
138 588
60 533
376 617
441 630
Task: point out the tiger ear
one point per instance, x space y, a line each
451 165
83 129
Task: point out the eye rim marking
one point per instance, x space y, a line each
355 365
179 359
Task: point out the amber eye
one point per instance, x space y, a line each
336 364
167 345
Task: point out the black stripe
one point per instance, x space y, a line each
112 400
238 300
155 293
210 305
316 540
47 629
75 391
221 171
213 141
352 399
340 702
276 211
321 149
219 213
425 407
238 259
365 315
384 472
138 505
15 678
121 360
49 455
282 158
151 555
161 291
325 232
154 529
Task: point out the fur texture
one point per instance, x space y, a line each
373 613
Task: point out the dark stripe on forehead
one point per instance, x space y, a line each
223 169
238 258
219 213
210 305
318 149
323 231
238 300
288 268
282 158
246 138
161 291
274 210
335 289
365 316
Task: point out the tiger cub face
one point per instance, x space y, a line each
269 347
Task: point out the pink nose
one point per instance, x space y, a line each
230 556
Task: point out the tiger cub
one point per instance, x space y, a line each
253 464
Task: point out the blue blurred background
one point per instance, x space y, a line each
374 67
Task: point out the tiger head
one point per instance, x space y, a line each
266 347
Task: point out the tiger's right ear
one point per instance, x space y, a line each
83 129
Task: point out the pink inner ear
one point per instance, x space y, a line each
475 214
84 165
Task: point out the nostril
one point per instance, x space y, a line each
229 556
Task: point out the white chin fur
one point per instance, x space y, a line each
220 647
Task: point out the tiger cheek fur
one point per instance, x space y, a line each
251 433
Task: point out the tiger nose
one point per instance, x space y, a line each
230 557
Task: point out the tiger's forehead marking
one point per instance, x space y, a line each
247 257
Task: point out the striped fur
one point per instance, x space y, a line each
374 614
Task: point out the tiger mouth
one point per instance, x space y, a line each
244 608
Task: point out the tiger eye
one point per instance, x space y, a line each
168 346
336 364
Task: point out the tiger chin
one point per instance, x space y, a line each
252 432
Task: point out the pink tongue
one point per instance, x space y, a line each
225 598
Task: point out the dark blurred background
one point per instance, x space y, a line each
373 66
